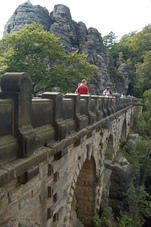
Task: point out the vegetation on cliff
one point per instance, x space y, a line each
39 53
135 207
135 50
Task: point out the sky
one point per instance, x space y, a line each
118 16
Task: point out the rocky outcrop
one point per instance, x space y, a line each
120 181
64 27
75 222
73 35
123 69
121 178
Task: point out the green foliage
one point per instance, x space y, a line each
124 220
110 40
143 74
38 52
144 125
115 75
105 220
139 208
139 205
138 199
136 153
134 49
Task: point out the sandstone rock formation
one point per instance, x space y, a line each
26 14
121 180
73 35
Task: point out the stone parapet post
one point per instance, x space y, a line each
117 103
109 105
90 114
98 107
76 102
58 121
105 107
112 101
18 87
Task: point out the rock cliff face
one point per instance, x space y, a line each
26 14
73 35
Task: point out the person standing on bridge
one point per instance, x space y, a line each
83 89
107 92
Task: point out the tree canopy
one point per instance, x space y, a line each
110 40
39 53
134 49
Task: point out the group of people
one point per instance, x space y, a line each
83 89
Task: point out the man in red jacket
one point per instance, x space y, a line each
83 89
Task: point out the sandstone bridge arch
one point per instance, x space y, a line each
84 193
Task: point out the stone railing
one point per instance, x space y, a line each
27 124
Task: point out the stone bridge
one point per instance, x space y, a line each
53 151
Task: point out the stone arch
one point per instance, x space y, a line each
83 201
109 153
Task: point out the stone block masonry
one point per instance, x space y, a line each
52 153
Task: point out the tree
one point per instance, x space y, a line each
38 52
110 40
144 124
133 49
143 74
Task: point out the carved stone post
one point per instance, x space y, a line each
100 107
58 121
104 106
117 103
97 107
111 105
91 116
18 87
76 101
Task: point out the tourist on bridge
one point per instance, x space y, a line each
107 92
82 88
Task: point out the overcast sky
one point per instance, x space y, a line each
119 16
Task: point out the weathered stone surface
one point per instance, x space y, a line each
133 139
123 87
77 177
64 174
64 27
17 86
75 222
74 36
121 178
26 14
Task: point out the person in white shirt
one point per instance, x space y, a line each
107 92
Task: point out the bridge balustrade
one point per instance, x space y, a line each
26 123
